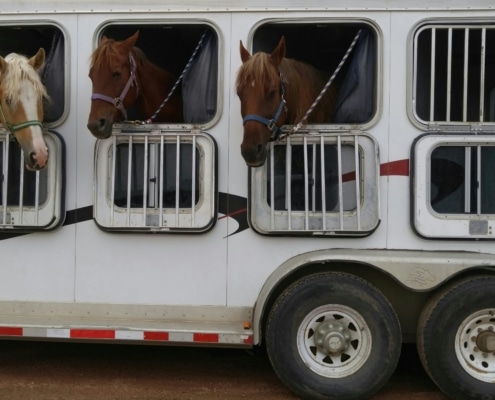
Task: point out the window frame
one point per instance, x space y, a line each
358 222
45 216
429 223
448 126
159 23
110 217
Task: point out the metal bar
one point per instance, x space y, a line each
112 182
449 75
21 189
339 173
177 180
152 175
358 181
467 180
432 74
5 180
272 186
466 70
129 182
323 186
313 184
37 198
160 185
482 75
478 178
193 189
288 182
145 179
306 184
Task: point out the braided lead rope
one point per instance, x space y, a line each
323 91
186 68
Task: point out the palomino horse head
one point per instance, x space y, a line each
115 87
260 87
21 105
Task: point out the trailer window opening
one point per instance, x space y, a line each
169 168
289 196
452 79
170 46
463 180
453 185
297 178
27 40
156 182
356 83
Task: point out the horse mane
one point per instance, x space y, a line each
107 51
304 83
20 70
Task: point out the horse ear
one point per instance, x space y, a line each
38 59
3 65
244 53
130 42
279 53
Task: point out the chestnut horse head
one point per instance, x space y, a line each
275 90
122 76
21 105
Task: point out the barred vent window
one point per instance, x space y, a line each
30 201
453 81
454 186
317 185
156 182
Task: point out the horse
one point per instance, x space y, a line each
275 90
122 76
21 105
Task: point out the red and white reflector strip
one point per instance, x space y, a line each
121 334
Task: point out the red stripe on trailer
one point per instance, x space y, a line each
205 337
92 334
10 331
156 336
248 340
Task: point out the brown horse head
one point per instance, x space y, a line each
260 89
276 90
114 86
21 105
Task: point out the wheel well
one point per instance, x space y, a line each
406 302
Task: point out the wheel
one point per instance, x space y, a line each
456 339
333 336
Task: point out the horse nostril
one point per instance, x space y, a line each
260 149
102 122
32 157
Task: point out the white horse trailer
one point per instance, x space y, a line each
357 235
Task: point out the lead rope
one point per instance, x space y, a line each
323 91
186 68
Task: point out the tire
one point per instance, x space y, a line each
333 336
456 339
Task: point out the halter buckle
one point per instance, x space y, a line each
117 102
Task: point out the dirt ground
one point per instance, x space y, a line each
77 371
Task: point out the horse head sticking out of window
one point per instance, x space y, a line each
275 90
21 105
122 77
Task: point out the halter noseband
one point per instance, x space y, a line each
271 123
118 102
14 128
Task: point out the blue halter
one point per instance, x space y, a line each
271 123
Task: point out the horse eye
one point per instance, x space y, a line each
8 100
116 74
271 94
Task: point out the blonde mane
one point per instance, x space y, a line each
18 71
